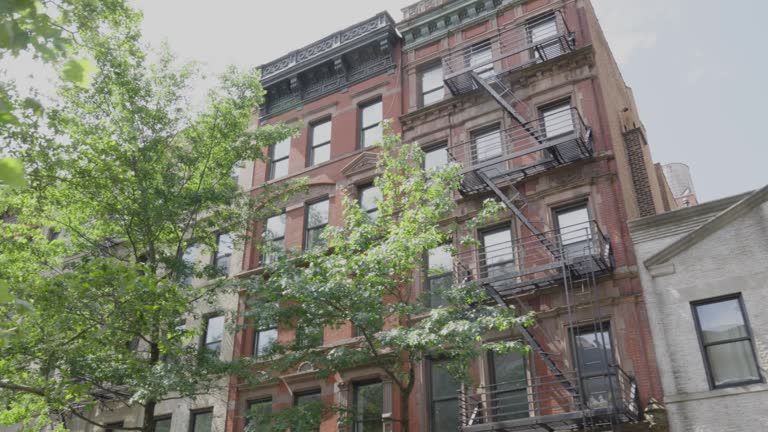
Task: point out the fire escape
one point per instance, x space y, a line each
571 258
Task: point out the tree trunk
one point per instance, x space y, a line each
404 413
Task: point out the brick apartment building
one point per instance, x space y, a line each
527 97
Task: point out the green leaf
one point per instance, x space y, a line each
34 105
5 292
78 71
12 172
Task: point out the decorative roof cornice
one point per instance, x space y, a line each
430 20
327 47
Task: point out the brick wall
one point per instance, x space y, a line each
635 140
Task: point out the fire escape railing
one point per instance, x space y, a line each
509 155
536 40
542 400
511 268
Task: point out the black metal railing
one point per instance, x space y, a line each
557 137
523 264
536 40
610 396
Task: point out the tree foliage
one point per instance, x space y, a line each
133 178
365 277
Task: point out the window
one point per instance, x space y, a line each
311 402
259 412
315 220
309 335
557 119
509 381
263 340
368 400
594 356
201 421
439 274
278 159
371 115
274 234
161 424
444 398
369 200
114 427
223 253
497 255
214 333
189 259
726 342
320 142
574 230
486 143
479 57
436 157
431 81
542 35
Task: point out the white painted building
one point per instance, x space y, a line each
704 271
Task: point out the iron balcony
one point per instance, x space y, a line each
510 269
542 403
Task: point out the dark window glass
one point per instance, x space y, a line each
223 253
439 274
594 356
368 400
114 427
497 255
310 401
201 421
278 159
369 200
509 384
727 342
161 424
371 116
486 143
574 230
263 340
557 119
259 412
189 260
274 234
320 143
432 85
444 404
316 221
436 157
214 333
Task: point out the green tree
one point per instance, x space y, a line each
365 277
133 178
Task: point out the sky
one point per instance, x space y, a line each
698 69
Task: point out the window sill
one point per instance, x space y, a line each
717 393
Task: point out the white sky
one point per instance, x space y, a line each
698 69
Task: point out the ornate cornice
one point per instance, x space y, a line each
430 20
325 48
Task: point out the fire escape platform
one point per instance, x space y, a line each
567 421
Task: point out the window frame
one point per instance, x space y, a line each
552 105
158 419
215 258
441 145
251 402
436 65
428 279
114 426
430 394
273 161
540 20
362 128
263 255
307 228
565 208
483 258
206 320
257 335
491 360
486 130
196 412
360 190
313 146
703 346
484 70
355 386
